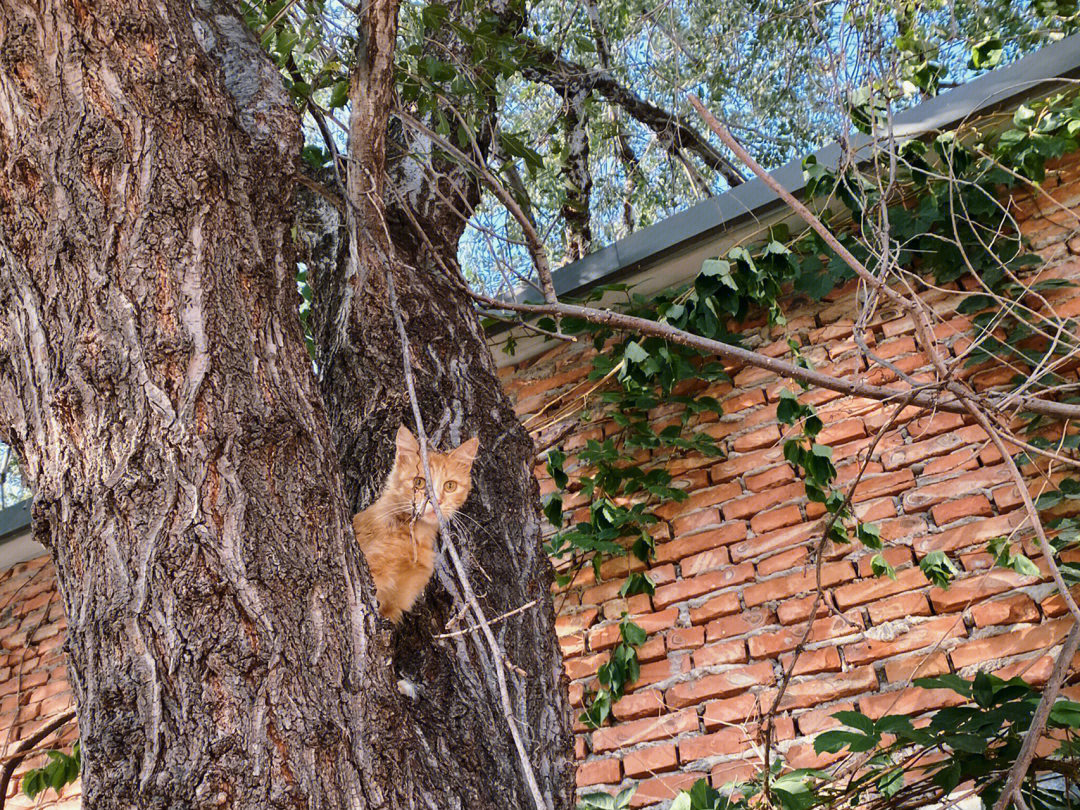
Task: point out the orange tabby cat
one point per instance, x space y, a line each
397 532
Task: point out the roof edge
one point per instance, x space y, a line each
641 249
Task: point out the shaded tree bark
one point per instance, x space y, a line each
223 642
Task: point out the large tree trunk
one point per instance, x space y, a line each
223 641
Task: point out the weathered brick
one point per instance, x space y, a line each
868 590
598 771
783 587
758 502
966 591
897 607
823 659
971 506
816 720
569 623
797 610
722 605
647 730
823 688
577 668
939 422
876 486
738 624
685 638
784 561
904 638
772 477
724 684
677 663
710 496
910 701
647 761
601 638
776 519
774 541
895 556
743 463
929 494
726 652
840 432
1012 642
969 534
664 788
724 742
1009 610
682 547
706 518
736 709
920 665
729 773
646 703
756 439
963 459
702 584
705 561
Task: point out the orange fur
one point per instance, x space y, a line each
397 532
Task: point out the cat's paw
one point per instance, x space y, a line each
408 689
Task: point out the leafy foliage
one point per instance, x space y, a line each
62 769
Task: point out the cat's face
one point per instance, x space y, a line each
452 474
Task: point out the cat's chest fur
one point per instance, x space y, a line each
401 556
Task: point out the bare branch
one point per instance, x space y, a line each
673 131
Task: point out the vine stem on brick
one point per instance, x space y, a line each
789 671
499 658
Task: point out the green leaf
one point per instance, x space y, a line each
855 720
634 353
553 511
986 54
340 95
880 566
632 634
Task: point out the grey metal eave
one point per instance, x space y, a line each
16 543
753 198
14 520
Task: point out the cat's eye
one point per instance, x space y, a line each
451 486
418 482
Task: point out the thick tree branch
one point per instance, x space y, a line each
673 131
577 179
736 354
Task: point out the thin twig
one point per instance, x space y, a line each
496 620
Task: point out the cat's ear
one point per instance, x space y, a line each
406 442
466 452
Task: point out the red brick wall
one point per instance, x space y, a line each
34 685
734 587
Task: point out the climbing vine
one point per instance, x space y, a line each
944 216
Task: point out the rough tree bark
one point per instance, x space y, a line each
223 643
